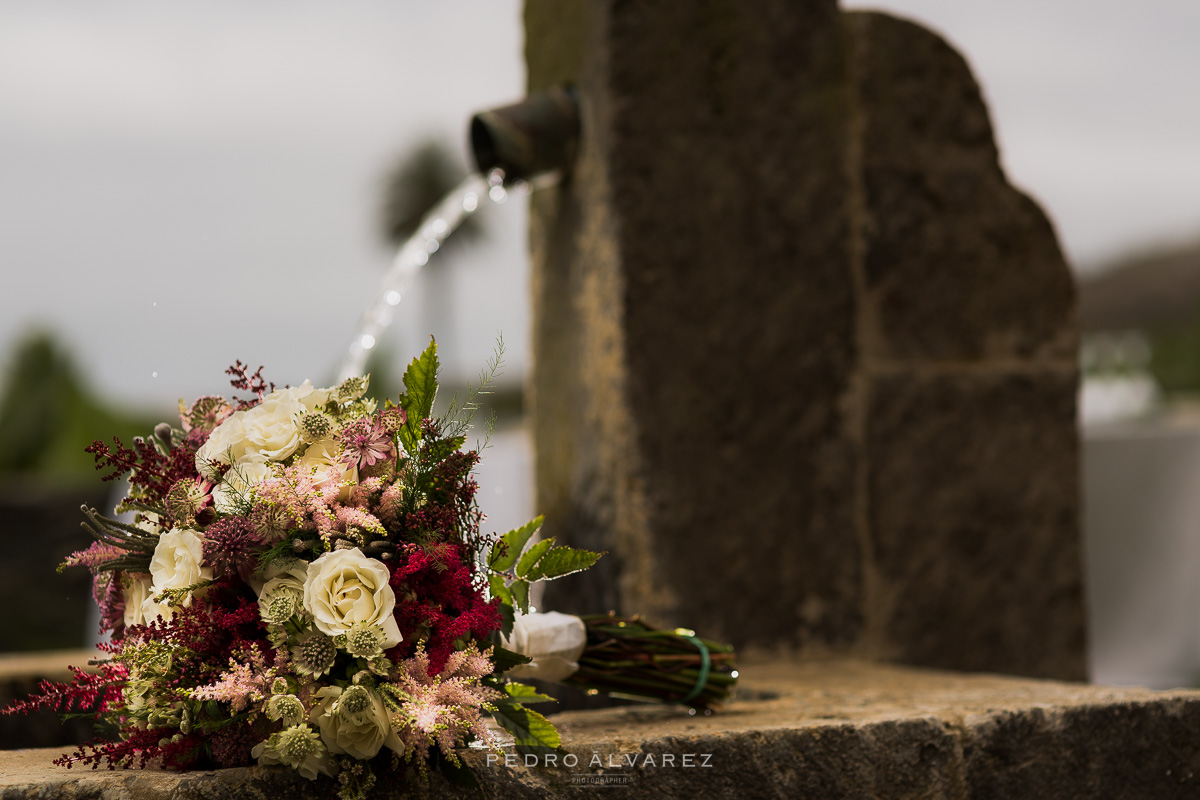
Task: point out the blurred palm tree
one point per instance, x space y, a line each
417 181
414 184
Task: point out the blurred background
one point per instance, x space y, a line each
186 185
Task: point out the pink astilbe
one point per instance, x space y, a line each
442 709
248 679
391 505
94 555
350 518
295 497
366 441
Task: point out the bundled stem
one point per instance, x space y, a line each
625 657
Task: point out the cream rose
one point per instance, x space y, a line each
244 475
354 722
135 592
283 593
324 459
268 430
345 587
178 562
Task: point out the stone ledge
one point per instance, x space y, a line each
837 729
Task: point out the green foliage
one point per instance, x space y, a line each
504 659
541 561
559 561
533 733
421 385
508 547
524 693
458 419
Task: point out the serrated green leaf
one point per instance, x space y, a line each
507 548
420 385
532 556
533 733
500 589
504 659
560 561
520 594
508 618
524 693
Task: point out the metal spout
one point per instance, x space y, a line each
536 136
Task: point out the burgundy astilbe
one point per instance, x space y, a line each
436 597
148 469
246 381
89 691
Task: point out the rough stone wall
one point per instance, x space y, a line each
804 361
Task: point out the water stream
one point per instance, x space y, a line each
441 221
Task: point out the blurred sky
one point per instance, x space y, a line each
186 184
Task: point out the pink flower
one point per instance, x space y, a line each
366 441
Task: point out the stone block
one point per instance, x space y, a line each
959 264
973 485
784 276
836 729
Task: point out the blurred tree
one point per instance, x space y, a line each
48 414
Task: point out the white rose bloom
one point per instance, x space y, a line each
225 445
323 458
245 474
354 722
152 609
268 430
178 562
135 593
286 583
345 587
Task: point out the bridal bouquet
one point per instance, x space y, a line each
301 580
298 578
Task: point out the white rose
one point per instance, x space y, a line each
225 445
151 610
267 430
285 583
354 722
324 459
345 587
554 641
178 562
135 592
245 474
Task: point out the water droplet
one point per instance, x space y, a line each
392 297
470 203
421 259
153 374
439 226
691 712
432 245
368 341
733 674
495 177
497 194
